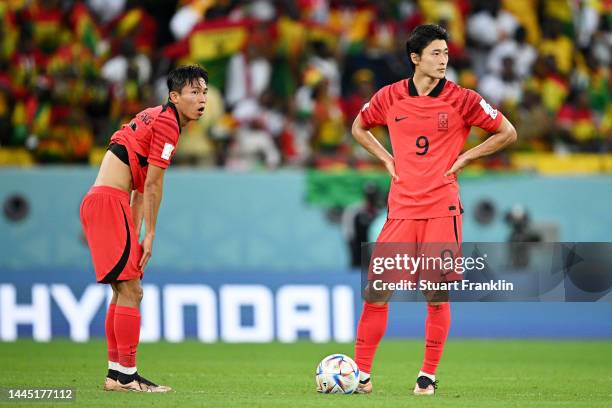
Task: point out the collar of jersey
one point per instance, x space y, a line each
171 105
412 91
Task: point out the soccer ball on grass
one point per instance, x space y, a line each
337 374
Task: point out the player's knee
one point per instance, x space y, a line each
376 297
436 297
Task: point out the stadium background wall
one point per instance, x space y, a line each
245 257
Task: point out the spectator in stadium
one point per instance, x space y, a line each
533 123
187 16
549 83
259 124
362 90
323 60
558 46
328 120
489 25
523 54
98 59
107 10
115 70
249 72
577 124
504 87
601 44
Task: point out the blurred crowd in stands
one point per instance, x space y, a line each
287 77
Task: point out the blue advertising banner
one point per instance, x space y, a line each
258 306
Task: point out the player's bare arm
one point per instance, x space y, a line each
152 196
505 135
366 139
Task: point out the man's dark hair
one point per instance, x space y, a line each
422 36
186 74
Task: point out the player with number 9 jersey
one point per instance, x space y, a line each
429 119
427 133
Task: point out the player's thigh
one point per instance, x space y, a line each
399 230
397 239
443 230
441 247
129 289
441 238
113 242
104 227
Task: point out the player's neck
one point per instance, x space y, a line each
182 120
424 84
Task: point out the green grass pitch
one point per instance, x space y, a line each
474 373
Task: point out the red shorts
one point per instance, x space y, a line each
441 229
434 240
109 228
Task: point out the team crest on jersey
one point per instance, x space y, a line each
442 121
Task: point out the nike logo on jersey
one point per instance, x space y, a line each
397 119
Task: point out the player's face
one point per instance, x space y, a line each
433 60
191 102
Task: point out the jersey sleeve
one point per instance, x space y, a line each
374 112
477 112
163 141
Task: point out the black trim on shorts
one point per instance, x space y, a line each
455 228
117 269
121 152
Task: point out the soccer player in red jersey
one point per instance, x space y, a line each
429 119
134 164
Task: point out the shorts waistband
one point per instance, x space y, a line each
123 195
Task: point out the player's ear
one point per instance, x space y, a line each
415 58
174 96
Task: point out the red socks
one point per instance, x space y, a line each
111 341
371 329
127 333
436 329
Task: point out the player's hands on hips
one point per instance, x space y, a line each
147 250
390 166
457 166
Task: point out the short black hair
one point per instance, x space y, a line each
422 36
186 74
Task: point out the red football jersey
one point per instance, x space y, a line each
427 134
151 137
